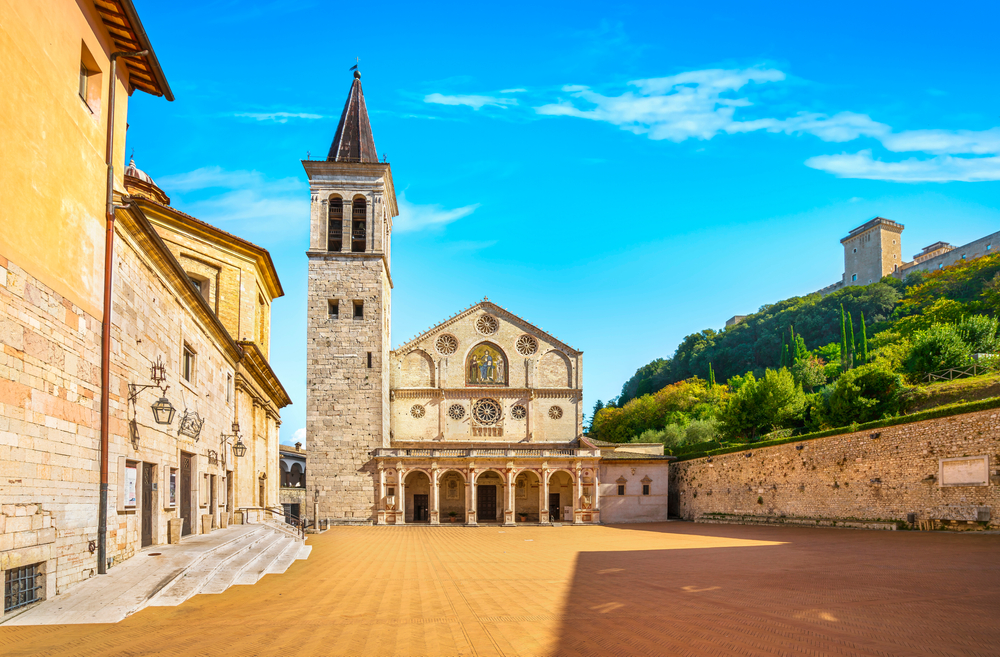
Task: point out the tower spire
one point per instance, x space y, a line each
353 141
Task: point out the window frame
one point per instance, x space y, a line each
359 310
621 490
333 309
189 357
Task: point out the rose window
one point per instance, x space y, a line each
417 411
487 411
518 412
487 324
456 412
446 344
555 412
526 345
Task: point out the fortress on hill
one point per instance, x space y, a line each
874 250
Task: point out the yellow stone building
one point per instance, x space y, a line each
133 416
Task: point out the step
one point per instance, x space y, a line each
259 566
196 576
285 559
227 575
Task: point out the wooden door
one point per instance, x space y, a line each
420 508
185 493
554 510
147 504
486 503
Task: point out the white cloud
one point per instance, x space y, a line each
843 126
943 168
299 436
473 101
413 217
513 91
277 117
246 203
696 104
945 142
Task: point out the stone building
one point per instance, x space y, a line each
478 419
292 494
137 396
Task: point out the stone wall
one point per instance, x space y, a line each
869 475
633 506
984 246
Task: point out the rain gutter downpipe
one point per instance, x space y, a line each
109 245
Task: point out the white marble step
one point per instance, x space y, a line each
286 558
194 578
259 566
227 575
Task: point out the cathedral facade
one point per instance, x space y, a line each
478 419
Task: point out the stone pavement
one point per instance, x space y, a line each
167 575
670 589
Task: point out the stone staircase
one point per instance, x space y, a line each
167 575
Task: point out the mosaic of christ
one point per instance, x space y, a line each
486 366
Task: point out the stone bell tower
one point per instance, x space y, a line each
347 340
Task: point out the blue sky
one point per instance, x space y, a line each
621 175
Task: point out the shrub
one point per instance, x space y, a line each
980 333
758 406
940 347
867 393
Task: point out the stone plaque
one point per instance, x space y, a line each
965 471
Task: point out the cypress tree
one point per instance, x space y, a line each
711 376
843 340
850 340
792 347
864 340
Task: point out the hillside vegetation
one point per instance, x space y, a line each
813 363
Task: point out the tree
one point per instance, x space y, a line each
756 406
852 348
869 392
864 341
843 341
940 347
711 376
980 333
809 372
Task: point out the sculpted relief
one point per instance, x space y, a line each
486 365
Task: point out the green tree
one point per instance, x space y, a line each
809 372
711 376
866 393
940 347
863 353
757 406
851 346
980 333
843 341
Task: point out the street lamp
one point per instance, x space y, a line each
163 411
239 449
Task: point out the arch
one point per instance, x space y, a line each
417 370
555 370
486 364
451 496
417 488
297 476
335 221
359 224
495 501
565 493
527 484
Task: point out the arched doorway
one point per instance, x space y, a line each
526 497
418 491
560 502
451 497
489 497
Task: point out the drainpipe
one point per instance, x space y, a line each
109 244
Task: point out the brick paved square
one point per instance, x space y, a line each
664 589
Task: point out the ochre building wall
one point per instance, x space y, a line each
849 476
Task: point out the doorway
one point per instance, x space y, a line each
186 493
211 498
486 503
260 492
421 508
554 515
147 504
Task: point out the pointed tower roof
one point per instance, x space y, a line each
353 141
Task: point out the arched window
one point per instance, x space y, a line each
358 221
335 237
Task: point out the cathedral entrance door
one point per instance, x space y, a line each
420 508
554 507
486 503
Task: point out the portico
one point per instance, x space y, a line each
488 485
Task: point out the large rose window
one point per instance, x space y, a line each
487 412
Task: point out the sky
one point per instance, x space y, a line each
620 174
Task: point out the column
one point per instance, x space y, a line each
470 497
401 506
577 495
543 504
508 516
597 494
380 501
435 501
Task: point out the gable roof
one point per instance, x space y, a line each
488 305
353 141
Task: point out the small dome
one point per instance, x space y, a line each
135 172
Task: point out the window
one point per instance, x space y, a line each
369 360
335 238
187 364
963 256
84 74
22 586
129 483
89 85
359 310
201 284
989 246
854 277
172 492
941 266
359 217
205 484
855 250
645 489
390 491
333 310
196 283
229 388
893 256
621 489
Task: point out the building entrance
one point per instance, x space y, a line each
486 503
421 508
147 504
554 515
185 493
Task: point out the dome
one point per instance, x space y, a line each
138 183
135 172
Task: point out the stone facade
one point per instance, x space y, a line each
885 474
932 259
871 251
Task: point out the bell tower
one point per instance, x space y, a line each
349 302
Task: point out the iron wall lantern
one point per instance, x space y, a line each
239 449
163 411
